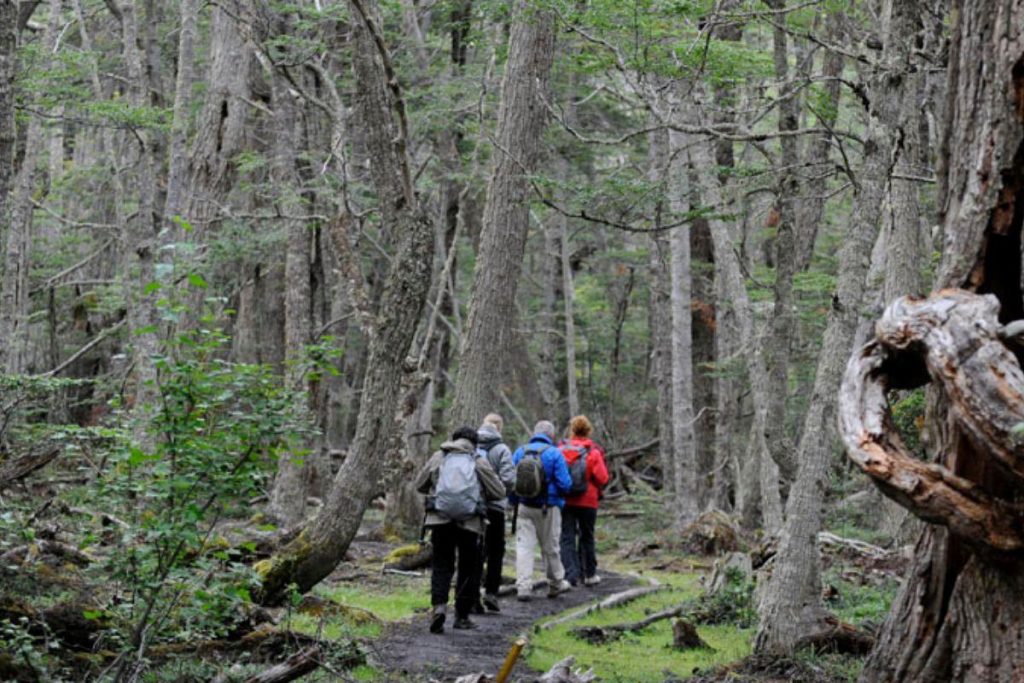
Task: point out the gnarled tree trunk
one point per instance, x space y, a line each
319 548
960 615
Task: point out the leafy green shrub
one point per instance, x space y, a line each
213 437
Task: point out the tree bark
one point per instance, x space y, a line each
958 615
292 483
521 122
319 548
684 446
8 73
791 611
783 320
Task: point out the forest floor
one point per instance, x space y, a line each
371 624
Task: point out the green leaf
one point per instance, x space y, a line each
151 287
196 280
92 615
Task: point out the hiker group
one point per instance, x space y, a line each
553 489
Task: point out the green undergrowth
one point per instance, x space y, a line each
644 656
373 607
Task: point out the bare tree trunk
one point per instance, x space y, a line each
959 614
14 284
791 609
904 250
319 548
785 254
568 296
142 228
732 289
521 120
660 317
177 176
291 486
8 72
684 455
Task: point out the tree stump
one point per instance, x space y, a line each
685 636
713 533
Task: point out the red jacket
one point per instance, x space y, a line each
597 471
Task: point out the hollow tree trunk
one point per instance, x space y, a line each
521 121
960 614
319 548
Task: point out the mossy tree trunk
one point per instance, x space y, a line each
380 110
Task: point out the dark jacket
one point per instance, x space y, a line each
490 486
555 471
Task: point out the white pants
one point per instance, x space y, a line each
537 525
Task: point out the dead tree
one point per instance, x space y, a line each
960 614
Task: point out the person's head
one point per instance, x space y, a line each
494 420
580 427
546 428
467 433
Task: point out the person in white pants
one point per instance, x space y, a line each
540 518
543 526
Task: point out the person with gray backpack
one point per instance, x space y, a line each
458 484
542 482
492 447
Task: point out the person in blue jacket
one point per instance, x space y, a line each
540 519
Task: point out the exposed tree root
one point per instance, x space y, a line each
409 557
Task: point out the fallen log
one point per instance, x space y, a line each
838 636
19 468
410 557
615 600
63 551
604 634
296 666
563 672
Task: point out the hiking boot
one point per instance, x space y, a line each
464 624
557 589
491 603
437 620
592 580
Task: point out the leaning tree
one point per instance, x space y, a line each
960 613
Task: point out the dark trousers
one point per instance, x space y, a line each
493 551
449 540
579 556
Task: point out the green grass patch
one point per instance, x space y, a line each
644 656
388 603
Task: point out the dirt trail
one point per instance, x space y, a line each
409 651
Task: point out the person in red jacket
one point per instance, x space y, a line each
579 556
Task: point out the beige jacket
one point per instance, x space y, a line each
490 485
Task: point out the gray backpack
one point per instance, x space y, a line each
457 495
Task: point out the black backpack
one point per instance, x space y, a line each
578 470
531 482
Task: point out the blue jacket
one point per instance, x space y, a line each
555 470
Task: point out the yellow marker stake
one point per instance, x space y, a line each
510 659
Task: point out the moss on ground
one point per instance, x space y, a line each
644 656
